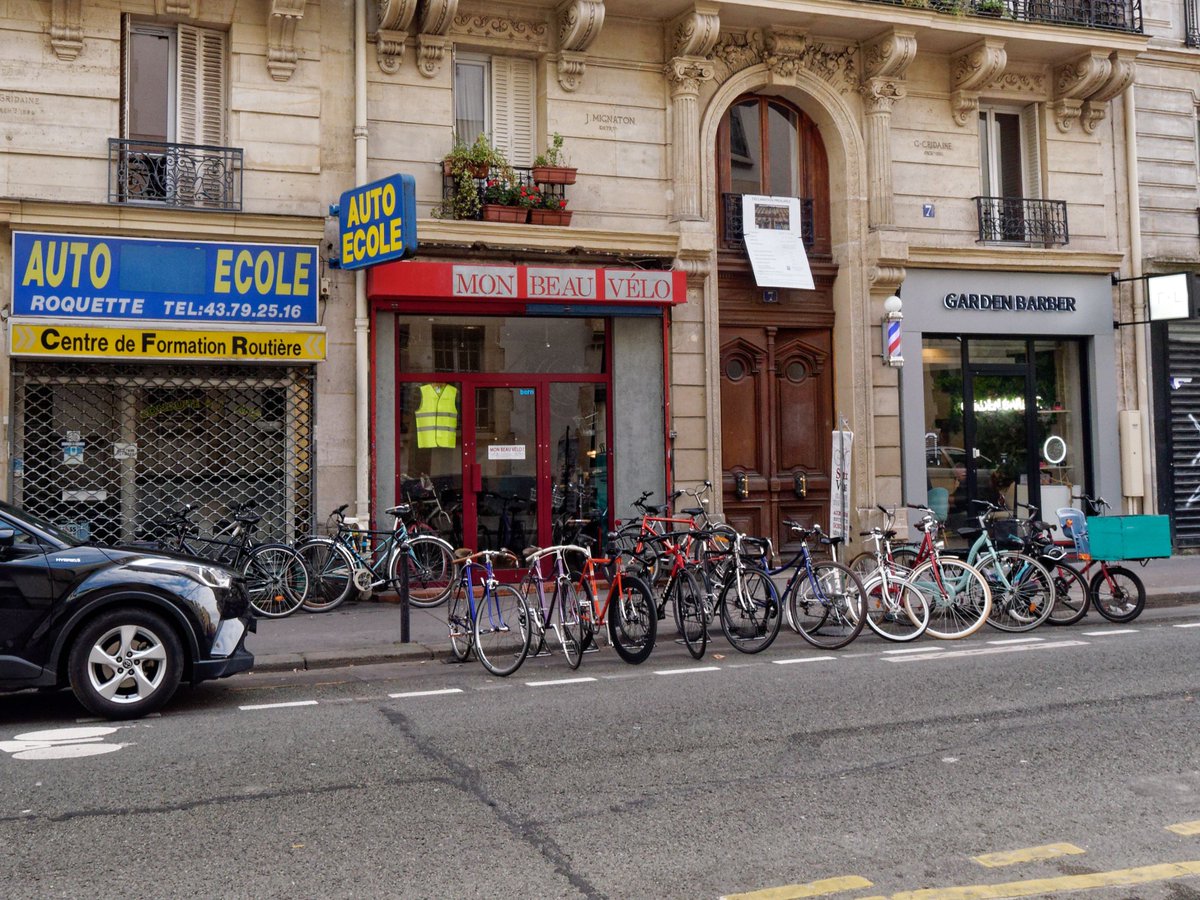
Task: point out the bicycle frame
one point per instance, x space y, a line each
560 574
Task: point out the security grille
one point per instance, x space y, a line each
104 450
1183 349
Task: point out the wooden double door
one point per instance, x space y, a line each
776 427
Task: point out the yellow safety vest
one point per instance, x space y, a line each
437 416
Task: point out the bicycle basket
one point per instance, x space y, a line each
755 549
1008 534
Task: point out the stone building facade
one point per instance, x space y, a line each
947 152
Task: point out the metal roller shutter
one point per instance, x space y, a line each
1183 383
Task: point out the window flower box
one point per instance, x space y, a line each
495 212
560 217
554 174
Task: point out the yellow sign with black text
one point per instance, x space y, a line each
149 342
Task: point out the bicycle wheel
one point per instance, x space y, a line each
1117 593
632 620
276 580
958 596
1070 595
896 611
863 565
330 574
431 570
502 630
566 601
828 605
537 615
1022 592
459 623
750 617
688 598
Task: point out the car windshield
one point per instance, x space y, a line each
39 523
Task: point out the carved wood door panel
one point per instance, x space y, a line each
776 420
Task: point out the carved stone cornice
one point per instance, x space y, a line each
395 17
501 31
1075 82
696 32
686 73
1124 67
739 50
434 18
881 94
66 28
1031 84
889 54
579 24
981 64
282 18
188 9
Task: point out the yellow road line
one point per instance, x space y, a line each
1185 828
1038 886
812 889
1028 854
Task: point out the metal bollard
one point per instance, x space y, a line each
405 637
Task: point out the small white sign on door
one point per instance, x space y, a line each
506 451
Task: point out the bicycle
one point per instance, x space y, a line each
745 597
1022 590
958 592
628 611
370 560
683 589
498 627
573 629
1070 588
826 602
896 608
276 577
1116 592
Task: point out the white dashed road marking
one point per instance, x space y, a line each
555 681
1028 640
903 650
1109 633
426 693
787 662
1189 625
984 651
687 671
279 705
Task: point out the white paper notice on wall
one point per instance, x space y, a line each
771 228
506 451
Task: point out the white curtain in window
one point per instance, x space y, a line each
470 99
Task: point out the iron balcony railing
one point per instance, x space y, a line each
197 176
454 207
1022 221
1117 15
733 230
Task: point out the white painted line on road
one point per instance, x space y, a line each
1107 633
1189 625
687 671
788 662
555 681
984 651
1028 640
903 650
426 693
280 705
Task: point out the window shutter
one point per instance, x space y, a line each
512 108
126 75
1031 150
200 81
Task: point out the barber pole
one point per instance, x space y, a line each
891 340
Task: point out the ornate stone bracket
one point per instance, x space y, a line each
889 54
1124 67
579 24
695 33
433 22
187 8
395 17
885 60
1075 82
66 28
981 64
282 18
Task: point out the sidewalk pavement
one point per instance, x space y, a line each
368 632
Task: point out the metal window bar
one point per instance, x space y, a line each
195 176
522 177
734 230
103 450
1020 220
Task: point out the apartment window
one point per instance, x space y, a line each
495 94
1009 162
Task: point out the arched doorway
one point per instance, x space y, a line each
776 348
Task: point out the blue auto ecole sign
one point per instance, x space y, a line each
74 276
377 222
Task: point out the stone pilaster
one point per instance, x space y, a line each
885 60
685 75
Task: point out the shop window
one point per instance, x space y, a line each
496 95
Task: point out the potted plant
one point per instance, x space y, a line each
502 199
989 7
476 159
550 167
550 210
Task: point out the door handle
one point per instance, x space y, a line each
800 484
741 486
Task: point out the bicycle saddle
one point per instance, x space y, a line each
694 511
657 510
397 511
248 518
832 541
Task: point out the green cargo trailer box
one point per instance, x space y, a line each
1129 537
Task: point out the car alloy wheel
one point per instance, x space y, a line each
125 664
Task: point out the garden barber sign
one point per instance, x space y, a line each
1009 302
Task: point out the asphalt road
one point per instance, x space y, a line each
869 774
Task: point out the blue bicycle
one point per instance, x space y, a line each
496 623
824 600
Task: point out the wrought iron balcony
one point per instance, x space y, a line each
733 230
1117 15
1191 22
1022 221
196 176
459 205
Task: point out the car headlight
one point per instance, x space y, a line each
209 576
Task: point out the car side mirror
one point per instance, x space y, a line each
7 537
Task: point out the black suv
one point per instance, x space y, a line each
121 627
